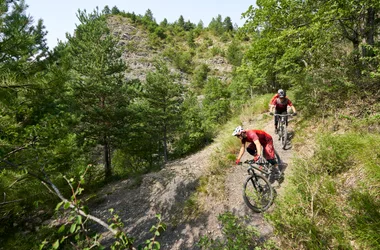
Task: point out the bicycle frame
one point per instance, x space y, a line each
282 130
262 168
282 117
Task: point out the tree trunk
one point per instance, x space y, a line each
356 59
107 158
165 145
369 33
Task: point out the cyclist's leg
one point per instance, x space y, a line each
269 152
276 118
286 118
270 155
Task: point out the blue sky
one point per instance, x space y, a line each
60 16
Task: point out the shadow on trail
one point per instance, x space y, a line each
291 135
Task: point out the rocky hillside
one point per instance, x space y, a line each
140 49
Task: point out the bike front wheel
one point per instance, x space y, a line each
258 193
284 138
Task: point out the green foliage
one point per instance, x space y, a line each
98 88
216 101
227 24
236 235
164 23
181 22
193 134
164 98
243 95
115 10
208 41
190 40
218 27
36 121
152 243
74 108
200 25
23 45
215 50
234 53
106 10
364 222
182 60
200 76
318 48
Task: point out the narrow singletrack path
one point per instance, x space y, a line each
166 191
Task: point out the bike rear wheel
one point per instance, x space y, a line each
258 193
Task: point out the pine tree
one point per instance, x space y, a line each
98 84
106 10
164 96
149 16
181 22
227 24
22 43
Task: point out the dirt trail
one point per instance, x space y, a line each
165 192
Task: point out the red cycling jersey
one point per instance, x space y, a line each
265 140
281 106
253 135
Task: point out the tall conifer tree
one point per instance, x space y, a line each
164 96
98 83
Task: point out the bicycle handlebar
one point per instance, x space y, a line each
249 161
283 115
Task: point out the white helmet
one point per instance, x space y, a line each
237 131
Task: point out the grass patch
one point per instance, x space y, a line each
333 198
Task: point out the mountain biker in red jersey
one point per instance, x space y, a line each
280 105
259 141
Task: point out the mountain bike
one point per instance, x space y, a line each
258 192
282 130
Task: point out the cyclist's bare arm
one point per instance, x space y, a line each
271 108
258 147
294 109
241 152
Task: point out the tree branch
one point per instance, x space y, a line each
8 202
81 212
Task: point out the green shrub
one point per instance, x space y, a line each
216 51
181 60
234 53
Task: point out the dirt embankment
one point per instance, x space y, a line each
166 191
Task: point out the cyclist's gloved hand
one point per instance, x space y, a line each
295 113
237 161
271 113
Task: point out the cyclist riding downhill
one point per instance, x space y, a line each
280 105
259 142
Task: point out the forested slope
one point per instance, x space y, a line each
126 95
